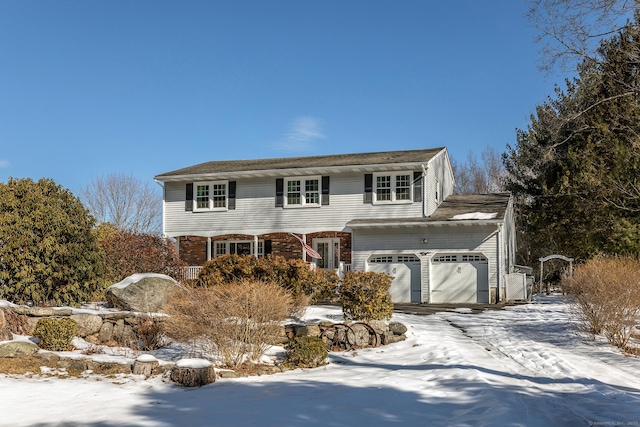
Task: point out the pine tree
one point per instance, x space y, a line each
48 252
575 169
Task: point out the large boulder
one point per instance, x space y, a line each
147 292
18 349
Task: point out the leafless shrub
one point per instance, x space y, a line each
236 318
607 292
151 333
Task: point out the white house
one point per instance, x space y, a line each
391 211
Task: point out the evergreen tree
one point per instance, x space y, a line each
48 252
575 169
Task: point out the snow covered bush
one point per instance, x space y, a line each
55 334
233 320
365 296
608 296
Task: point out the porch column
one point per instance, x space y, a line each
304 251
255 246
208 248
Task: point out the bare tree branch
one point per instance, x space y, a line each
124 201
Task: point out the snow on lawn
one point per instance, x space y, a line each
521 366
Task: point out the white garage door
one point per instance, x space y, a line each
405 270
459 278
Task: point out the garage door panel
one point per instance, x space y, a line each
455 281
406 277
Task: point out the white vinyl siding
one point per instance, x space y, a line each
255 211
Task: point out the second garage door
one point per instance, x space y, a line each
459 278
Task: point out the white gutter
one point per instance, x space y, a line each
425 223
163 204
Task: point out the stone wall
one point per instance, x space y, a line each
112 328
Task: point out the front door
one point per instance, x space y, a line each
329 250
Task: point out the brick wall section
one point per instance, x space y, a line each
193 249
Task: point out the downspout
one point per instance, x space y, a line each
424 190
498 263
164 198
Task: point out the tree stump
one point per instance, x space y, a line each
146 365
193 372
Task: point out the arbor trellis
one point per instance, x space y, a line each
555 256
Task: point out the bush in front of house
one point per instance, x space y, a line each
365 296
608 296
55 334
293 275
305 352
234 321
127 253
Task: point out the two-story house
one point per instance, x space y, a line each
389 212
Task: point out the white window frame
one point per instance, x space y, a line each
210 196
393 178
303 185
217 244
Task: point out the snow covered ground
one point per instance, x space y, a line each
521 366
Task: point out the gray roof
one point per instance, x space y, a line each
337 161
452 206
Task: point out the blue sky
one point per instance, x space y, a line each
89 88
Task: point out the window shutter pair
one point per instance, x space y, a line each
188 197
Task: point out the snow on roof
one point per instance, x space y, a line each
475 215
134 278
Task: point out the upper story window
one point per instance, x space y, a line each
393 188
210 195
302 191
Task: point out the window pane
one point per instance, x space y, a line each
383 188
311 192
293 193
202 196
221 248
219 195
323 250
403 187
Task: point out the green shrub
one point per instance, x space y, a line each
305 352
293 275
48 252
55 334
365 296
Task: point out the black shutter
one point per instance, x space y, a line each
417 186
188 198
268 247
325 190
232 195
279 192
368 188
